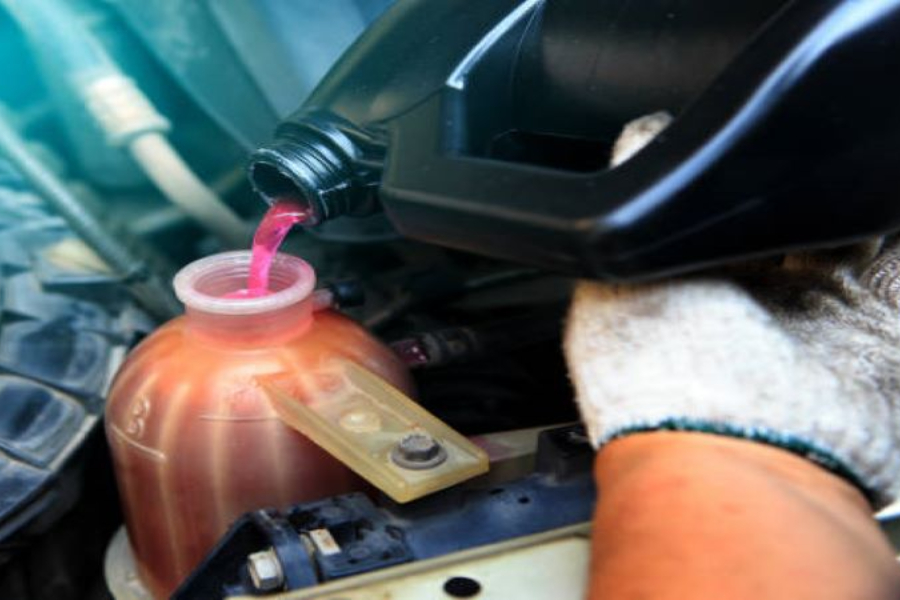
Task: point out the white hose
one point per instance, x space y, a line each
171 175
129 119
124 113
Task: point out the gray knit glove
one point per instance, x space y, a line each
802 353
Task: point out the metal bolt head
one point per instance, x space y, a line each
418 451
419 447
265 570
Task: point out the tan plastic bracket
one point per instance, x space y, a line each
361 420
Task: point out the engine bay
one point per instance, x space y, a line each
443 226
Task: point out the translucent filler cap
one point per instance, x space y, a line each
374 429
205 285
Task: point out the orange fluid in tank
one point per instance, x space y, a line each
194 439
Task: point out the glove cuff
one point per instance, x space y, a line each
791 443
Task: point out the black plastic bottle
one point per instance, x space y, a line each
486 126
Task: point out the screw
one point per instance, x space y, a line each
265 570
418 451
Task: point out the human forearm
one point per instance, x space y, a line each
686 515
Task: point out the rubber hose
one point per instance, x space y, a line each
168 171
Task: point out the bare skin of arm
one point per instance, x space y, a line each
685 515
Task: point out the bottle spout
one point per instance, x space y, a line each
312 164
282 175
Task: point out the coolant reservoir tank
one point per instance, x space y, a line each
195 440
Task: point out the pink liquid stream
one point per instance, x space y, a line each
274 227
270 234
